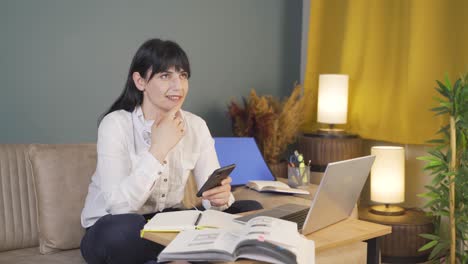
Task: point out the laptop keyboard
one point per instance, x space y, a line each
297 217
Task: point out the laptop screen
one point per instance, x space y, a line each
243 152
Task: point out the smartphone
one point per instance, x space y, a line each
216 178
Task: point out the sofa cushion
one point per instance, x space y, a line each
61 175
18 223
33 256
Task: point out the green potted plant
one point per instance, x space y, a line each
447 162
273 123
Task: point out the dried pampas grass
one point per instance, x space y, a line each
272 123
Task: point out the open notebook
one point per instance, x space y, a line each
177 221
274 186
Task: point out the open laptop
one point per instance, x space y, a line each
334 200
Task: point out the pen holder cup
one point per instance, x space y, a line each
298 176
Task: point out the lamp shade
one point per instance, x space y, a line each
388 175
332 99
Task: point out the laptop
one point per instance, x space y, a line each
334 200
244 152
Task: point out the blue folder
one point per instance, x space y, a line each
244 152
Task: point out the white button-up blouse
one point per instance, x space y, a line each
128 179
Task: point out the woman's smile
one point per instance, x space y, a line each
174 98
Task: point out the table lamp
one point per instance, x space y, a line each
330 144
388 180
332 108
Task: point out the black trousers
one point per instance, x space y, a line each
116 238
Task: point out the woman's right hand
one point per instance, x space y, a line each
166 134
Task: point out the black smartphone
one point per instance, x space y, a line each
216 178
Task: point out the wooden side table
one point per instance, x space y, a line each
322 148
401 246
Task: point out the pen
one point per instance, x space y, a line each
198 219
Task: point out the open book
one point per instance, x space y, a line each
274 186
189 220
263 238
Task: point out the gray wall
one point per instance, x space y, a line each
62 63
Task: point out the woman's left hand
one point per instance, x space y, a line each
219 196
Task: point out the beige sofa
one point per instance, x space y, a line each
42 192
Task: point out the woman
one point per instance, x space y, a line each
146 148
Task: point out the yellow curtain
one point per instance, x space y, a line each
393 51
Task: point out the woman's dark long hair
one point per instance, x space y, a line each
154 55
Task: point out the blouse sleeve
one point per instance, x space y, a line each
125 188
206 164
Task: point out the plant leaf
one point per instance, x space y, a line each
428 158
443 129
428 245
442 112
430 236
447 81
437 249
431 195
443 90
437 153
